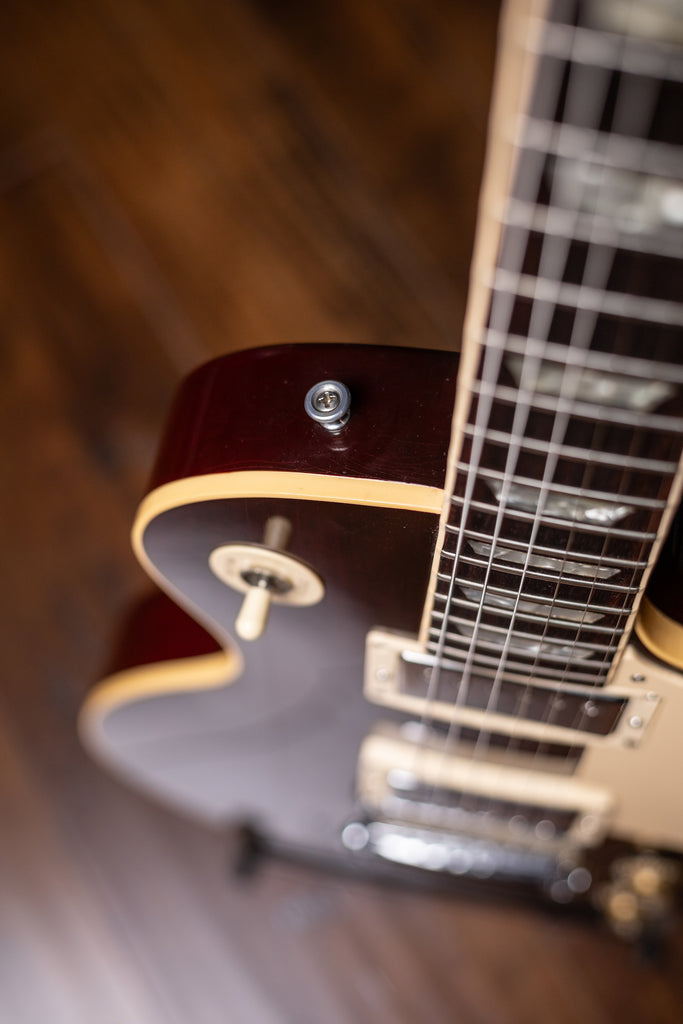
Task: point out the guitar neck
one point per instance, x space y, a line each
564 462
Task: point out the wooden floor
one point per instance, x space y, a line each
176 180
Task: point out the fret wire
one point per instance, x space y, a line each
555 220
545 551
530 618
568 489
588 299
588 359
582 410
519 635
616 614
488 647
551 521
547 662
605 148
572 452
481 660
603 609
548 646
587 46
568 558
535 574
549 676
576 626
489 654
493 609
572 689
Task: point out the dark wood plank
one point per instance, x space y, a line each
177 180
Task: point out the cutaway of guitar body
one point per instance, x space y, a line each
269 731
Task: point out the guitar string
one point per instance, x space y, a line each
558 430
501 309
647 99
552 265
639 120
646 109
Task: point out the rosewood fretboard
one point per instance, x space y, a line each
566 464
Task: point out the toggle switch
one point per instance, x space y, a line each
265 574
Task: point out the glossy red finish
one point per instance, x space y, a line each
245 411
296 713
157 630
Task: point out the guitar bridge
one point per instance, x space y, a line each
454 854
417 781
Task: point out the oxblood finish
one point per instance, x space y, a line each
157 630
245 411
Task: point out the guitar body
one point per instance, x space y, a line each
210 730
268 733
423 641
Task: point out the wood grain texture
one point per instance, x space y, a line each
177 180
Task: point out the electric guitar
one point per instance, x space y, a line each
409 619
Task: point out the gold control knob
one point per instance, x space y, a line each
265 574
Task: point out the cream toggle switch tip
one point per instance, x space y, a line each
253 614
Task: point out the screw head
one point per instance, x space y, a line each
329 403
579 880
355 836
326 401
591 709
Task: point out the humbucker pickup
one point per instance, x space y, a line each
419 781
400 675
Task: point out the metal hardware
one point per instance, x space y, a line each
266 580
455 854
398 671
264 573
329 403
355 836
572 880
445 792
640 895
